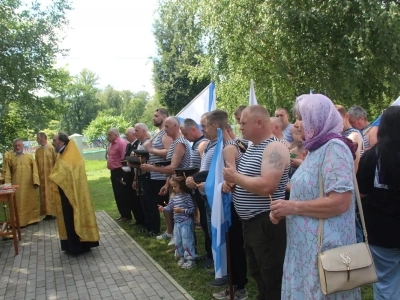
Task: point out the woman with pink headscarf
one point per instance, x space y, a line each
332 155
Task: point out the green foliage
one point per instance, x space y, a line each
348 50
178 39
134 110
126 103
80 102
97 129
29 44
147 116
52 129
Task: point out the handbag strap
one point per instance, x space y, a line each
321 221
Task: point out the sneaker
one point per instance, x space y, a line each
189 264
165 236
172 241
181 262
239 295
222 294
219 282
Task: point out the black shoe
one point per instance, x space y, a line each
219 282
135 223
152 234
208 264
48 218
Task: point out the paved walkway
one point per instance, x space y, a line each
118 269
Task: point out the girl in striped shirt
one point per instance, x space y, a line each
181 204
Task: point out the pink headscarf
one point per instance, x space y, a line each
321 121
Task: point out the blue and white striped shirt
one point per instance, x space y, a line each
349 131
157 144
247 204
185 162
195 154
208 156
181 200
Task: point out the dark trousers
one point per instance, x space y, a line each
143 200
72 244
201 202
119 190
236 250
152 200
265 245
134 201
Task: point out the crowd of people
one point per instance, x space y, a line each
58 170
272 171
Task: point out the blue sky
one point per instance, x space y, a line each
113 39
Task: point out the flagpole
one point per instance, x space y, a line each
228 257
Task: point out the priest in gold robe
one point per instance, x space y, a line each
20 169
77 225
45 157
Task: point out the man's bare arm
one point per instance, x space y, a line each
274 162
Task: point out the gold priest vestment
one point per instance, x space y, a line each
21 170
45 157
77 225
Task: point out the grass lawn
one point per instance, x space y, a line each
194 281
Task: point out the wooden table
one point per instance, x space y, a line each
8 196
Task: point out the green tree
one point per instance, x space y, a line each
80 102
113 100
348 50
96 132
134 109
178 37
147 116
29 44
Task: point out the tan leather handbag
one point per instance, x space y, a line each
347 267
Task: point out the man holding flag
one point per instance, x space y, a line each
224 217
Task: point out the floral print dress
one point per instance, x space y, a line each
300 274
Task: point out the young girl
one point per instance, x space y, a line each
182 205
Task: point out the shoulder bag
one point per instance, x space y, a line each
346 267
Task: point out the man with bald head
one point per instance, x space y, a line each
261 177
179 155
276 127
115 156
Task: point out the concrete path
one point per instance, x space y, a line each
118 269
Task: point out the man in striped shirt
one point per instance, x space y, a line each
190 183
358 120
158 149
262 176
191 132
179 155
